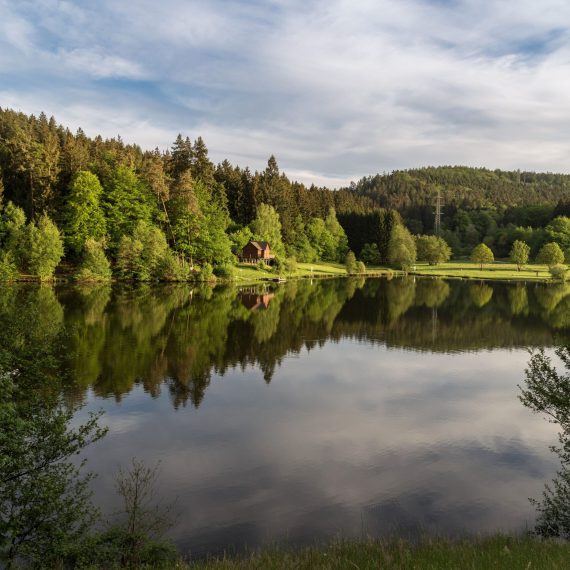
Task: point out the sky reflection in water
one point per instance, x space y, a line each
372 430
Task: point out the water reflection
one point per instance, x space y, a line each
178 336
391 404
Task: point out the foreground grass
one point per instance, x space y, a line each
499 552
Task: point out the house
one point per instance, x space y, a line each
253 251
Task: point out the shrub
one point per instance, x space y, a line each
290 265
95 265
8 269
559 272
360 267
261 265
350 263
225 271
171 268
207 273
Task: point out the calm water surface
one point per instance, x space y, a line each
309 411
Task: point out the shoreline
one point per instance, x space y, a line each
480 553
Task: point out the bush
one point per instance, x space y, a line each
206 273
360 267
559 272
290 265
261 265
170 268
225 271
8 269
370 254
350 263
95 266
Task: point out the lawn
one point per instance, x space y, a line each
459 269
497 270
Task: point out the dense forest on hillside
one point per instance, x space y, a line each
99 208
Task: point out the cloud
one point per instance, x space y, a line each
335 90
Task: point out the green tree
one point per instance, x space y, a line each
44 248
520 253
402 248
350 263
140 256
360 267
84 218
267 227
482 254
370 253
432 249
45 501
558 230
94 266
550 254
127 201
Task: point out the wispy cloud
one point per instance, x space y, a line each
335 89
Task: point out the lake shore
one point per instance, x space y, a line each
437 554
247 273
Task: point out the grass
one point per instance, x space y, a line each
495 271
458 269
320 269
497 552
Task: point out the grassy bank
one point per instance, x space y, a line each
499 271
498 552
317 270
494 271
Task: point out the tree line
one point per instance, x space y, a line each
100 208
103 206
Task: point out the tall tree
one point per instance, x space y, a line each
84 217
127 200
267 227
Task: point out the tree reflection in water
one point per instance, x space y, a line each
174 338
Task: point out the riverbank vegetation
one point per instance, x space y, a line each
479 554
93 209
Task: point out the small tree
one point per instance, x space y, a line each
360 267
520 253
350 263
44 248
550 254
370 254
137 538
45 500
290 265
95 266
432 249
482 254
402 248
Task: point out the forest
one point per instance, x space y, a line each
99 208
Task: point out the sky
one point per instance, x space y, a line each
335 89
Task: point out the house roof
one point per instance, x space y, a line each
261 245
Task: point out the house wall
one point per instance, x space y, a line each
250 251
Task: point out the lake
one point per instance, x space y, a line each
306 411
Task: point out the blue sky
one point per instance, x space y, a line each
336 89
